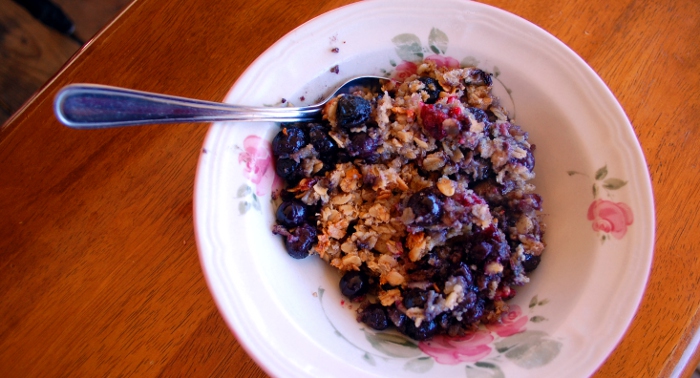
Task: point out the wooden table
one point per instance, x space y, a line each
99 272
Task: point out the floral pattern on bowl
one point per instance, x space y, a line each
409 49
483 350
266 298
608 217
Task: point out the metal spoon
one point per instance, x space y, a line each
90 106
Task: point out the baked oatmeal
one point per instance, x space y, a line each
420 195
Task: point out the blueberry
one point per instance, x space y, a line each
354 284
300 241
529 160
427 207
288 141
426 329
362 146
397 317
322 142
291 213
481 251
486 78
288 169
352 111
479 115
375 316
482 77
432 88
531 262
414 298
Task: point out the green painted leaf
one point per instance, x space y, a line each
530 349
613 184
320 293
543 302
502 350
419 365
244 190
438 41
486 370
243 207
392 62
256 202
537 319
533 302
601 173
496 71
469 61
408 47
393 344
370 360
571 173
595 191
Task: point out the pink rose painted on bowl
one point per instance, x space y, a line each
443 61
257 160
610 217
511 323
453 350
404 70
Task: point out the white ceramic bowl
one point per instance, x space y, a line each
288 313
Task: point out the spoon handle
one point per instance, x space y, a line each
89 106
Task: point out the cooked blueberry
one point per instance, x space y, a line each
531 262
288 141
291 213
486 77
300 241
528 203
397 317
354 284
362 145
479 114
414 298
427 207
474 311
432 88
481 250
352 111
424 331
375 316
288 169
322 142
529 160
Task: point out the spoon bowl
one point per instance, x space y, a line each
91 106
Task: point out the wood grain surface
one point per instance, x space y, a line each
30 53
99 271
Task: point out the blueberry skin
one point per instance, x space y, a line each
322 142
291 213
432 88
288 169
288 141
425 331
362 146
531 262
375 316
354 284
427 207
414 298
352 111
300 241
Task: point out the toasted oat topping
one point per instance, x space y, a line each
426 191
